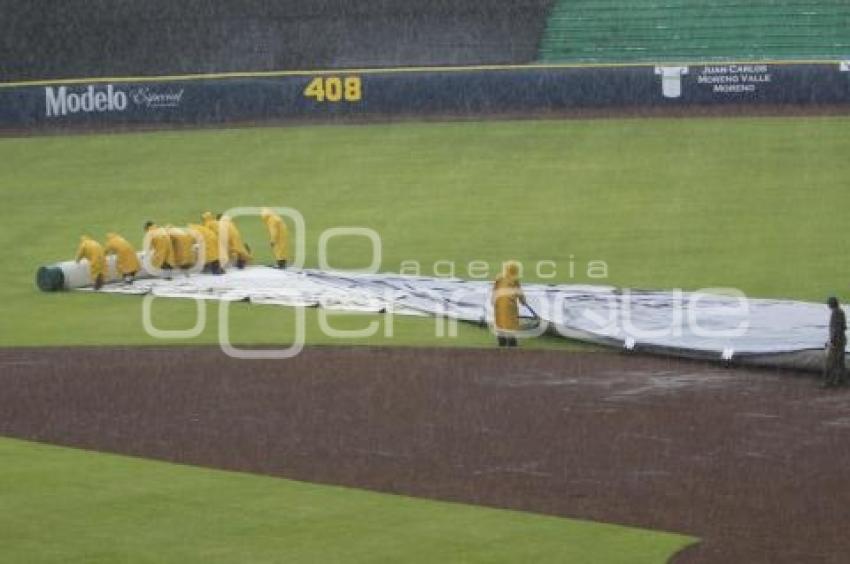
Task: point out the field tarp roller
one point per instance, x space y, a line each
70 275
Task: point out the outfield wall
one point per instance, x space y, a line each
421 92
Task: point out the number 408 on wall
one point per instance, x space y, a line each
334 89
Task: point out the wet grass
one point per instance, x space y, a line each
755 204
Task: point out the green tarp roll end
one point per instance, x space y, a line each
50 279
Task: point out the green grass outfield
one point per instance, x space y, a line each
64 505
757 204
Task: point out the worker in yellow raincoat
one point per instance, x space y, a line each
158 249
126 259
208 240
506 297
237 250
278 236
92 251
182 247
210 222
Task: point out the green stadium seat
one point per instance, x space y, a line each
694 31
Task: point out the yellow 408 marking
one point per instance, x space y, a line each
334 89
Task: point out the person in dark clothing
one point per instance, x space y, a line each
833 371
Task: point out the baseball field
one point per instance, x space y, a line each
557 452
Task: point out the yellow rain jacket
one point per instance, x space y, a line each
211 223
235 247
182 244
158 247
126 261
278 234
91 250
506 297
209 239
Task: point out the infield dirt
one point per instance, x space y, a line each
753 462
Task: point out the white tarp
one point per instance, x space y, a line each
676 322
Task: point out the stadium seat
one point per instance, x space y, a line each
693 30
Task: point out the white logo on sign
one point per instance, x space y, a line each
671 80
155 99
844 66
61 101
735 79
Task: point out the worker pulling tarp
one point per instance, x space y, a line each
685 324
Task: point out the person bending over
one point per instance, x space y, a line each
278 236
158 248
92 251
126 259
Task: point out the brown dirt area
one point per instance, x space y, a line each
756 463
